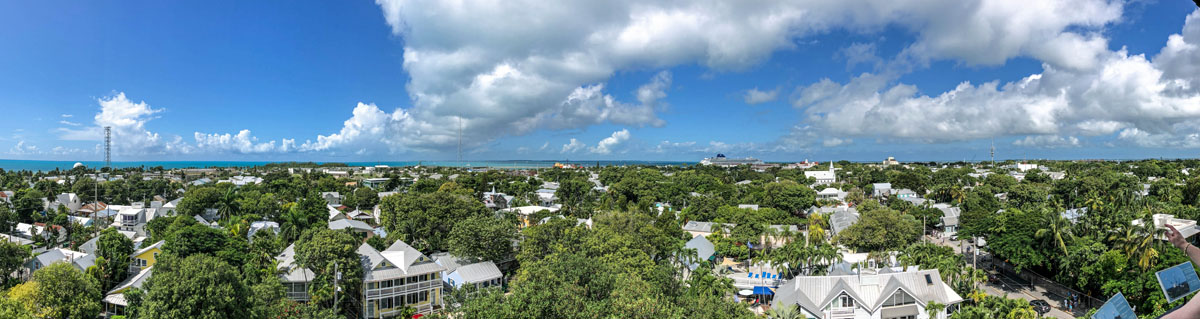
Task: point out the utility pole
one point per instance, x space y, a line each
336 276
459 141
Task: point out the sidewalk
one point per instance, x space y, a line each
1014 290
1011 287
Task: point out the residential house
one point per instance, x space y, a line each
586 222
830 193
906 193
114 301
526 213
546 196
260 226
332 198
335 213
842 219
81 261
704 250
881 190
68 200
480 275
353 225
888 294
131 219
779 235
949 220
145 257
496 200
15 239
1073 215
392 279
295 279
698 228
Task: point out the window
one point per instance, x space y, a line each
845 301
903 317
385 303
398 301
928 279
899 298
424 296
387 284
412 298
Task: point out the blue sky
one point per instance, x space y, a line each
782 81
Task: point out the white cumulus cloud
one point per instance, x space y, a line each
506 69
573 146
1118 92
608 144
756 96
1048 141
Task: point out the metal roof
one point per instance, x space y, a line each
479 272
815 292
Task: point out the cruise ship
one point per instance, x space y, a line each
721 160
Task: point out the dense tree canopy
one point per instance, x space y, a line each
880 228
199 286
114 249
425 220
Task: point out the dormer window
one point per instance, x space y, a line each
899 298
844 301
928 279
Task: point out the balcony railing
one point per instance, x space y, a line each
841 313
409 288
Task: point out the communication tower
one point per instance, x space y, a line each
108 146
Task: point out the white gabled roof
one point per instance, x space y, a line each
148 248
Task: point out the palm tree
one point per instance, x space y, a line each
1138 244
934 308
784 312
1057 228
228 203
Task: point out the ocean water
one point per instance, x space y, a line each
32 165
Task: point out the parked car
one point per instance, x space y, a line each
1041 306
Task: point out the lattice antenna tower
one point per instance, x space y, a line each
108 146
993 151
460 140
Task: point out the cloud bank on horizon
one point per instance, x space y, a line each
480 72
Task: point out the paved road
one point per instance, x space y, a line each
1017 289
1013 288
